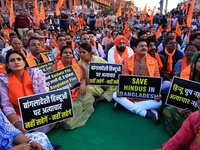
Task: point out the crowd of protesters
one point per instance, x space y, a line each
159 46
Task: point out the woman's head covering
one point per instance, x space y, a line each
194 59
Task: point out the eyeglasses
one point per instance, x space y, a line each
34 44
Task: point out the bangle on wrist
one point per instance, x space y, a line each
30 141
15 122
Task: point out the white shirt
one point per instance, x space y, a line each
111 58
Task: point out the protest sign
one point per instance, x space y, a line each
63 78
104 73
183 94
139 86
44 67
48 53
46 108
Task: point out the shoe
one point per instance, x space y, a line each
56 146
117 106
152 114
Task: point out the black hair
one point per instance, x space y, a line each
141 33
151 39
15 52
58 36
137 41
65 47
86 46
167 40
90 32
11 34
32 38
194 36
83 35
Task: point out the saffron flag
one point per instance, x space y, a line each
12 17
190 14
186 6
42 12
152 15
75 6
8 3
133 13
178 30
170 24
59 5
119 12
36 12
159 31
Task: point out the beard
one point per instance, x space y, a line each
69 43
152 51
121 48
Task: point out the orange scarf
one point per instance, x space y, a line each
2 68
185 74
184 63
58 54
97 23
150 64
23 53
31 61
169 61
75 65
95 44
18 89
109 40
124 56
54 44
160 64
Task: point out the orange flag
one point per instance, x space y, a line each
75 6
170 24
178 30
42 12
183 24
186 6
190 13
159 31
119 12
36 9
8 3
128 13
126 30
152 15
144 12
59 5
133 13
12 16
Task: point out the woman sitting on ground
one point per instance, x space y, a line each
188 137
101 93
185 61
173 117
20 82
13 139
82 101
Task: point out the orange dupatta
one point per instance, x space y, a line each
75 65
169 61
160 64
184 63
17 89
185 74
31 61
124 56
